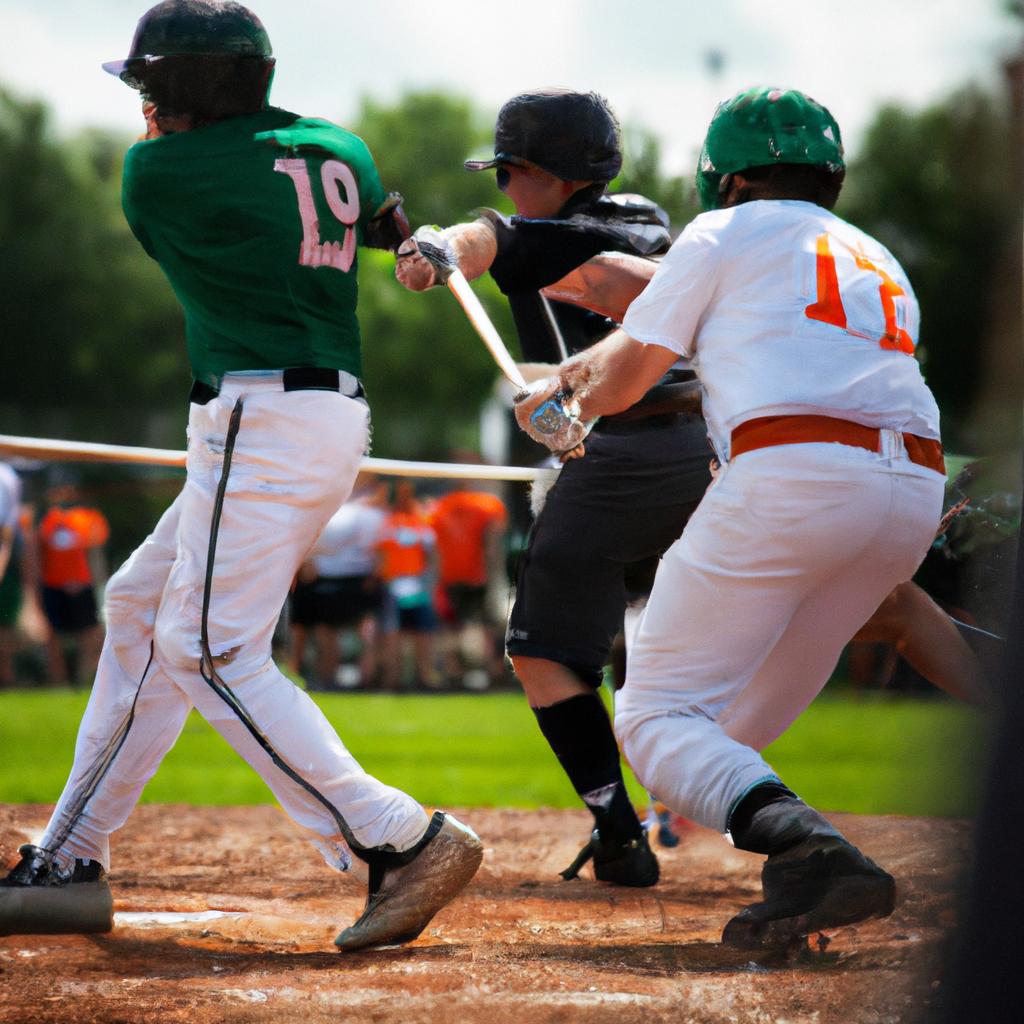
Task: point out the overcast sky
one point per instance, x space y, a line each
648 56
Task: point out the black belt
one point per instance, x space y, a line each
296 378
637 424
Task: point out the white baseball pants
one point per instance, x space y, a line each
791 550
295 460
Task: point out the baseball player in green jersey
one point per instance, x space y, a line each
255 215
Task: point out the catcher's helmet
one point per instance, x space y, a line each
572 135
764 126
177 28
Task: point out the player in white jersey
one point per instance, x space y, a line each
802 331
10 502
337 588
10 576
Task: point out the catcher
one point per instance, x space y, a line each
554 153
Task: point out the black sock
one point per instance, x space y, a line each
579 732
760 796
771 819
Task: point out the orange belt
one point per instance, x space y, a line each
768 431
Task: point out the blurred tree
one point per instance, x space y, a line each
642 173
92 324
936 187
420 144
426 371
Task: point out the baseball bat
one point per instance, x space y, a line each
85 907
481 322
86 451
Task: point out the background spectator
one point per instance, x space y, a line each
470 527
408 567
70 535
338 587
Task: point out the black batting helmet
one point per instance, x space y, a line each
193 28
572 135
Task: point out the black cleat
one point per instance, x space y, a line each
618 861
37 868
36 898
823 882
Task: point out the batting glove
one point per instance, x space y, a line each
550 415
425 260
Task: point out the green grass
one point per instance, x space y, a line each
873 754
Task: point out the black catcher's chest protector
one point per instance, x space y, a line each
534 253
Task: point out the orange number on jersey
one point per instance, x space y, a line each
830 310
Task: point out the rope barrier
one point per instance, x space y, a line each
85 451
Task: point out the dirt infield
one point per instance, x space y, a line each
520 945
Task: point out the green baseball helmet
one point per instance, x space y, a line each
177 28
764 126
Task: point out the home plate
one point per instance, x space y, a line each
139 919
232 925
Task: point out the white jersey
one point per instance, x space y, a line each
784 308
10 497
348 544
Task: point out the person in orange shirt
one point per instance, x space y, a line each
67 536
470 526
408 567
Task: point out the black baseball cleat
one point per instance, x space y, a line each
36 898
823 882
618 861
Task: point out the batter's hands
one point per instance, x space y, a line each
573 453
550 416
425 260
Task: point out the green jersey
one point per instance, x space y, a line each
255 221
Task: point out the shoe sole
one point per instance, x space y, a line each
79 908
852 899
628 881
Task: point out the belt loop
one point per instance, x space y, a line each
890 444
